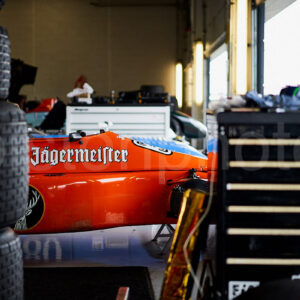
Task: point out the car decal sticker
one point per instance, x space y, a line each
153 148
53 157
34 211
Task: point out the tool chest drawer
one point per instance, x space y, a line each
146 121
258 209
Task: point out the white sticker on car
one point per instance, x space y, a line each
53 157
153 148
236 288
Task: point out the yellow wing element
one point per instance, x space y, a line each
179 269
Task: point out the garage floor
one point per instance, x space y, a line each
126 247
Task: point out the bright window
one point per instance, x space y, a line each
282 49
218 73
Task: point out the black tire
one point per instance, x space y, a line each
176 127
5 63
13 164
178 192
11 266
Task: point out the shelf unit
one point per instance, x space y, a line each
258 219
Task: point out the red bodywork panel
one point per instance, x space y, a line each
45 106
212 166
105 153
101 181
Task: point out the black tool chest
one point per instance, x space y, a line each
258 209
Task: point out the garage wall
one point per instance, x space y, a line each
209 19
216 19
116 48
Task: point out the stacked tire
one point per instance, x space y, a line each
13 197
5 65
11 266
13 179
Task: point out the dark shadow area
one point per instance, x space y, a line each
274 290
86 283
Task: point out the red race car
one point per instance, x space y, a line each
80 182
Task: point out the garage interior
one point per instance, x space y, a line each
214 80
